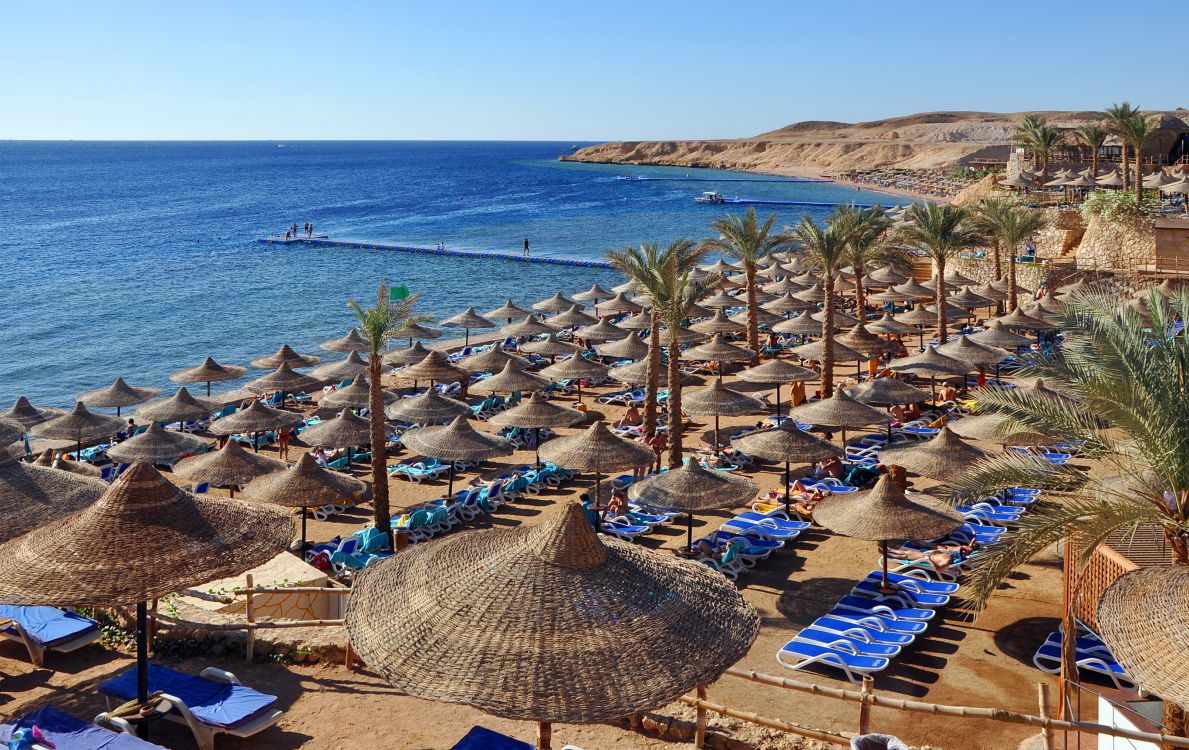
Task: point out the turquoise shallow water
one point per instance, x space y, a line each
137 259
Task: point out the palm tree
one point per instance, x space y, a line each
1116 117
1017 226
1041 138
641 265
1136 131
866 235
1093 136
377 325
1128 403
989 214
744 239
826 248
942 230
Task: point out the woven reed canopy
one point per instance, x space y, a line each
209 371
787 303
912 289
286 356
967 298
29 415
343 369
998 336
511 379
256 418
357 395
721 299
637 374
572 318
1157 179
886 392
305 484
992 428
691 488
575 367
918 316
10 432
815 350
807 278
962 349
889 325
783 286
885 296
1144 618
952 312
1019 319
80 468
763 317
435 366
778 371
861 341
550 346
618 304
506 311
118 394
802 324
716 400
596 449
888 276
604 330
595 292
628 287
529 326
231 465
284 378
457 441
352 342
523 622
953 280
78 424
180 407
718 266
492 359
637 322
407 356
719 323
468 319
785 443
142 539
418 331
630 346
930 364
684 336
1004 285
558 303
942 457
343 431
884 513
839 410
718 350
427 408
32 495
990 292
156 445
841 319
537 412
814 293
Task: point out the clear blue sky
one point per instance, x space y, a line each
450 69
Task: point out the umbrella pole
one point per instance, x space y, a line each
883 547
716 433
778 402
117 412
142 663
544 735
450 486
303 528
787 506
208 388
255 442
689 532
348 458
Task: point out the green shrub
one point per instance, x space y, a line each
1116 205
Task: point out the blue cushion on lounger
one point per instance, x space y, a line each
214 703
69 733
481 738
47 625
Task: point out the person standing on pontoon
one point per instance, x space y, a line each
526 247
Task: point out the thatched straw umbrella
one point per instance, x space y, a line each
180 407
32 495
787 444
142 540
413 354
777 372
428 408
889 325
684 335
604 330
352 342
630 347
418 331
457 441
721 300
434 367
594 294
618 304
787 303
573 318
507 311
558 303
119 394
718 401
208 372
932 364
343 431
801 325
637 374
691 488
888 276
257 418
551 347
467 319
78 425
566 603
492 359
29 415
284 380
230 466
814 293
963 349
815 351
913 290
886 392
718 350
859 339
343 369
513 379
784 286
637 322
989 291
354 396
992 428
764 317
597 449
841 319
968 299
718 266
952 312
884 513
10 432
1144 619
1019 319
529 326
537 413
627 287
156 445
945 456
719 323
576 368
839 410
995 334
303 485
286 356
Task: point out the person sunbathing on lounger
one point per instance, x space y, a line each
806 499
631 418
940 557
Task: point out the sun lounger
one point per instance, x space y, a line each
730 564
798 655
622 528
850 644
865 632
903 594
759 529
774 521
878 621
482 738
915 585
211 703
867 606
45 628
70 733
1048 659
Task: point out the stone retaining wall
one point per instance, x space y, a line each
1117 244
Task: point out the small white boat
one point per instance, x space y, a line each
710 197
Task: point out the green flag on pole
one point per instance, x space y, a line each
398 292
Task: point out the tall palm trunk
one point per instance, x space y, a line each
998 258
1139 178
753 317
382 516
1126 170
675 447
1011 278
1094 161
940 298
828 339
653 379
860 295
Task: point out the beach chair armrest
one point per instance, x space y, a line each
220 675
114 723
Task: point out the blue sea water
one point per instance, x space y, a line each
139 259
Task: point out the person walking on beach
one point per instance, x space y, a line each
526 247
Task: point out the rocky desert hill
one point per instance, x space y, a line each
930 139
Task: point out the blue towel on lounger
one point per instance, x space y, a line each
212 702
69 733
482 738
47 625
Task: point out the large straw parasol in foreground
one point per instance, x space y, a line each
119 394
717 400
1144 618
209 371
142 540
691 488
457 441
78 425
32 495
10 432
230 466
886 392
884 513
995 334
409 355
427 408
945 456
524 622
156 445
596 449
303 485
535 413
786 444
